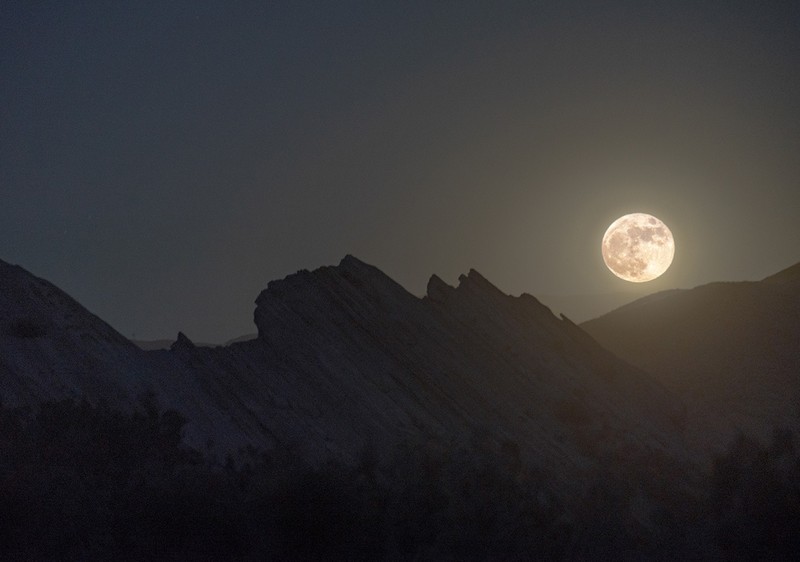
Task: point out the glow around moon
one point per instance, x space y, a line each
638 247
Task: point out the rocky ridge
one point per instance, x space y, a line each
346 360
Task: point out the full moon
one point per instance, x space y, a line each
638 247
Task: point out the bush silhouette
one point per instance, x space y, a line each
755 498
84 481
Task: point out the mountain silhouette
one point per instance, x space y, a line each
347 360
731 351
363 422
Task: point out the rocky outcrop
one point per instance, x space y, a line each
461 359
346 360
182 343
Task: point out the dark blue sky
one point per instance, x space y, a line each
162 161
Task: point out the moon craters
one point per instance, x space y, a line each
638 247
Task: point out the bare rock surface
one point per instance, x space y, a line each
346 360
376 363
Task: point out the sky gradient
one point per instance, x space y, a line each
161 162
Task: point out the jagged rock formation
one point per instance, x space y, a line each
730 350
346 360
182 343
459 359
349 367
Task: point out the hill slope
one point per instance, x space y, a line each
346 360
52 347
730 350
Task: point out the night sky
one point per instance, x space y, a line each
162 161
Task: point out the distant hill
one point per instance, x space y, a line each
153 345
580 308
730 350
246 337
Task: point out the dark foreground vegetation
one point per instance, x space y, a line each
83 482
